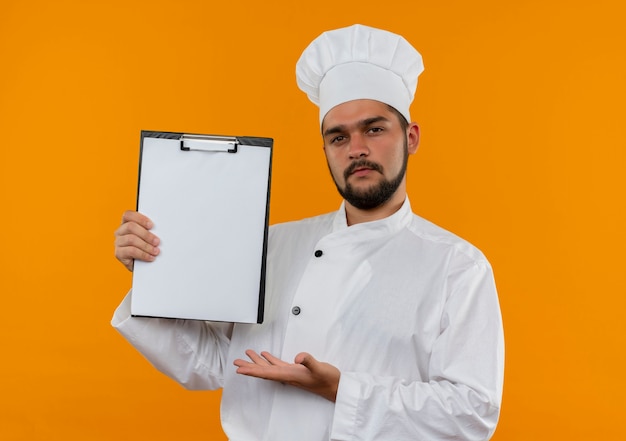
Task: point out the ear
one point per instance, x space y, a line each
413 137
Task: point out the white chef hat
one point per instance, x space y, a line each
359 62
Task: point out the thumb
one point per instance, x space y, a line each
305 359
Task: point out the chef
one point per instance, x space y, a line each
379 325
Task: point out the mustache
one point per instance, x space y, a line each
362 163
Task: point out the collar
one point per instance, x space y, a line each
382 227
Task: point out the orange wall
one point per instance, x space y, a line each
523 153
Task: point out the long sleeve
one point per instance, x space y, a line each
405 310
460 397
191 352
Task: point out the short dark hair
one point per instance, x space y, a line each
403 122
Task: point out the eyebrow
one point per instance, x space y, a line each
363 123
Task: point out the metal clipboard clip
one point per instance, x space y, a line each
206 143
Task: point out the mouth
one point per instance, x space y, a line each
361 171
362 168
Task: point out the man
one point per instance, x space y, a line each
379 325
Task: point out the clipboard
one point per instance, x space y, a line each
208 197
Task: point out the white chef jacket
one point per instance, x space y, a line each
407 311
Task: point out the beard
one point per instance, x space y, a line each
377 194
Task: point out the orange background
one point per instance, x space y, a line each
523 153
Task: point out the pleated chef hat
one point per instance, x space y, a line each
359 62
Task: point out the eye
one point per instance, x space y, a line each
337 139
375 130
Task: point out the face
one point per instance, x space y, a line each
367 152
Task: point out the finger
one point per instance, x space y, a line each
242 363
256 358
273 360
135 229
135 253
306 360
129 248
133 241
255 368
138 218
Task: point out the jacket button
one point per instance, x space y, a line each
295 310
318 253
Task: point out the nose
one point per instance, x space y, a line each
358 147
